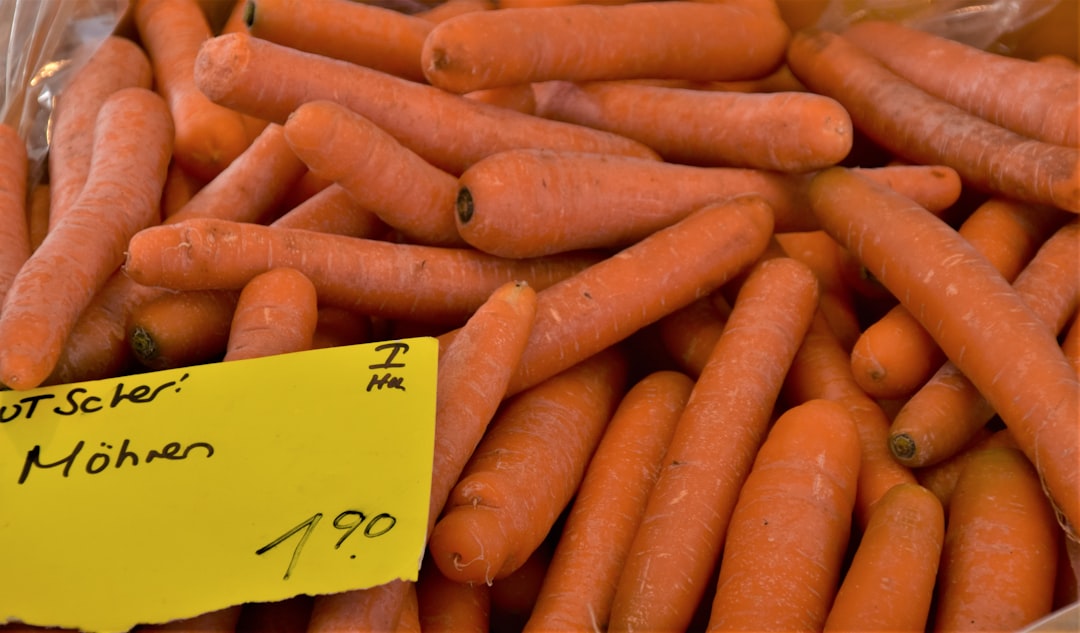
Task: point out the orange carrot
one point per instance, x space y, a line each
520 97
972 313
275 314
1000 555
180 188
132 146
689 334
375 609
1070 345
333 210
180 329
452 8
499 512
682 531
116 63
819 251
14 218
940 478
580 582
37 223
889 584
361 33
396 184
780 80
789 531
268 80
924 129
486 49
208 136
513 596
1027 97
449 606
409 620
780 131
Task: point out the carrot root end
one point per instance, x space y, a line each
463 206
902 446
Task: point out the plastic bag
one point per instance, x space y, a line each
43 43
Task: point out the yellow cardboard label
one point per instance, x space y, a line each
164 495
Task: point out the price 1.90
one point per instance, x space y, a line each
348 521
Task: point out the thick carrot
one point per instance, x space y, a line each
208 136
889 584
14 198
132 146
527 202
270 81
364 34
395 183
682 531
940 478
116 63
780 131
449 606
179 329
580 582
1028 97
923 129
689 334
979 321
789 531
486 49
275 314
999 560
526 469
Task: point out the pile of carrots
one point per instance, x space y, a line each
744 324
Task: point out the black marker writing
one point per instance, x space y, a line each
107 455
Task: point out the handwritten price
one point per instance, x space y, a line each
348 521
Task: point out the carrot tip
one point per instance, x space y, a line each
902 446
464 205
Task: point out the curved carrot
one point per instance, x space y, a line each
499 512
779 131
979 321
182 328
1028 97
14 218
486 49
270 81
578 588
689 334
889 584
275 314
789 531
132 147
208 136
924 129
449 606
999 560
398 185
678 542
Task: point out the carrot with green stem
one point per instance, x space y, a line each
14 217
578 588
978 319
789 530
678 542
270 81
924 129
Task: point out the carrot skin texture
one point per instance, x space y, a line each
275 314
725 419
449 606
891 229
14 223
179 329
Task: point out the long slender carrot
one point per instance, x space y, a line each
14 216
924 129
398 185
999 560
499 511
976 317
449 606
270 81
780 131
208 136
580 582
889 584
1028 97
485 49
789 531
132 147
682 531
365 34
116 63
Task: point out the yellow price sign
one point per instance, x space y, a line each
164 495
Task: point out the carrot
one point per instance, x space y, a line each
182 329
180 187
275 314
894 355
949 409
374 609
781 131
337 327
208 136
333 210
999 559
514 595
268 80
940 478
520 97
527 202
132 144
218 621
396 184
979 321
365 34
486 49
689 334
889 584
1030 98
14 218
448 606
819 251
283 616
499 511
578 588
673 553
409 620
116 63
37 223
780 80
452 8
789 531
923 129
